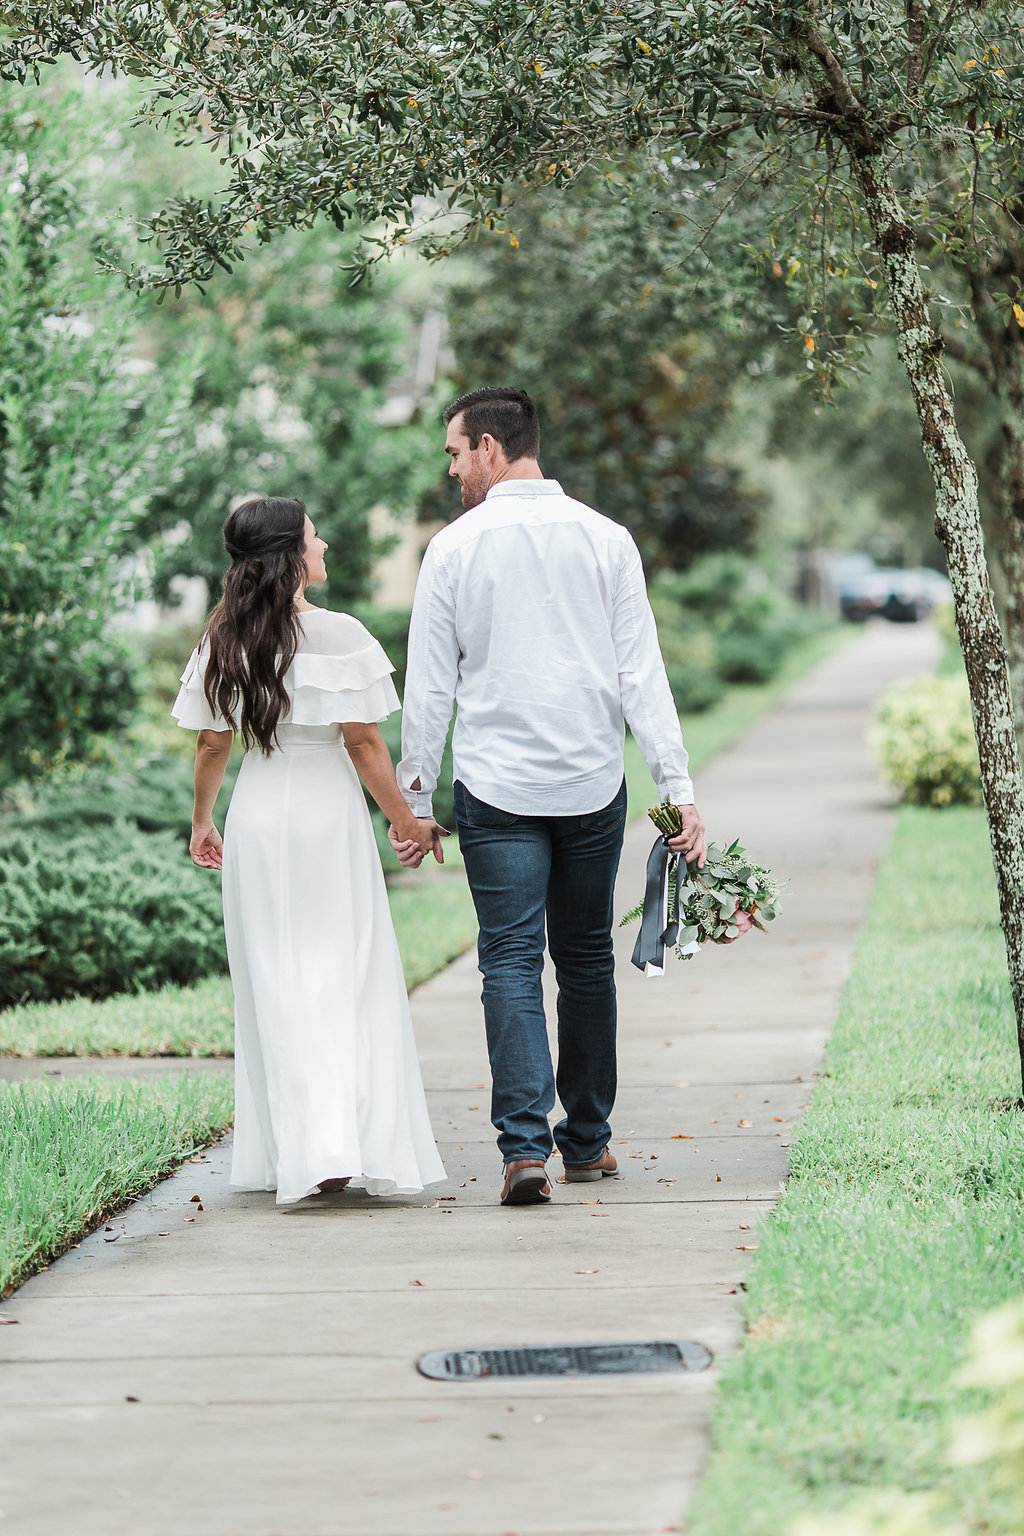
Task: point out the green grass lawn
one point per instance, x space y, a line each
71 1155
903 1219
433 916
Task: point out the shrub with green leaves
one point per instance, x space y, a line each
722 621
154 792
924 737
109 909
689 653
750 623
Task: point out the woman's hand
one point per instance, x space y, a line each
206 847
411 851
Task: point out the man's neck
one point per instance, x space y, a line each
522 469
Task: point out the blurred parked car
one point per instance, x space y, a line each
901 596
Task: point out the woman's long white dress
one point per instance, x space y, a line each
327 1081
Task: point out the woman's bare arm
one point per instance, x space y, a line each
372 762
213 748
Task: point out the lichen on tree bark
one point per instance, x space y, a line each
958 525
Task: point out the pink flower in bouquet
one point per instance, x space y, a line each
743 921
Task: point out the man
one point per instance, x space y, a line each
531 614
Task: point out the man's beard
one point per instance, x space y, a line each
473 493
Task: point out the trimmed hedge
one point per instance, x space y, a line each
108 909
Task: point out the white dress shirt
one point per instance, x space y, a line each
531 614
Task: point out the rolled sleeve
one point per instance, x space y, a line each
644 692
430 681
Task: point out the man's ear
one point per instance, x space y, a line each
491 446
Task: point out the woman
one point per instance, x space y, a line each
326 1075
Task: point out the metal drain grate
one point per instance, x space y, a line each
563 1360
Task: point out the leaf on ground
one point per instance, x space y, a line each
588 1271
415 1282
681 1136
6 1321
196 1200
748 1123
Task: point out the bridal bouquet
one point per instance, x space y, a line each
686 907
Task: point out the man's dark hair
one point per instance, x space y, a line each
507 415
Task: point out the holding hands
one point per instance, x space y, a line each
413 849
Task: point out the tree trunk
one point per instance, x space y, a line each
991 286
1008 537
958 525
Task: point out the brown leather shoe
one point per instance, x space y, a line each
526 1183
605 1167
334 1186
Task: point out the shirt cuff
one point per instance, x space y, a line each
679 793
419 801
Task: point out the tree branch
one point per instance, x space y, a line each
915 37
848 103
939 33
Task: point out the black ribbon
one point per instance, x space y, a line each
652 939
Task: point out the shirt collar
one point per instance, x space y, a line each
525 488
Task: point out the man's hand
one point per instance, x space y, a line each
692 841
410 852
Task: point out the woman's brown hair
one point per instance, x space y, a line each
253 631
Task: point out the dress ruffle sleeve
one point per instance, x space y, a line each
352 689
356 688
190 708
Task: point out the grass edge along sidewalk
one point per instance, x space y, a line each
902 1220
197 1020
78 1152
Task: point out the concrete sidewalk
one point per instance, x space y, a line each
252 1372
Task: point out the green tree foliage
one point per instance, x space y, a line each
578 314
85 443
294 369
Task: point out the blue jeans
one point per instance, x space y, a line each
522 869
